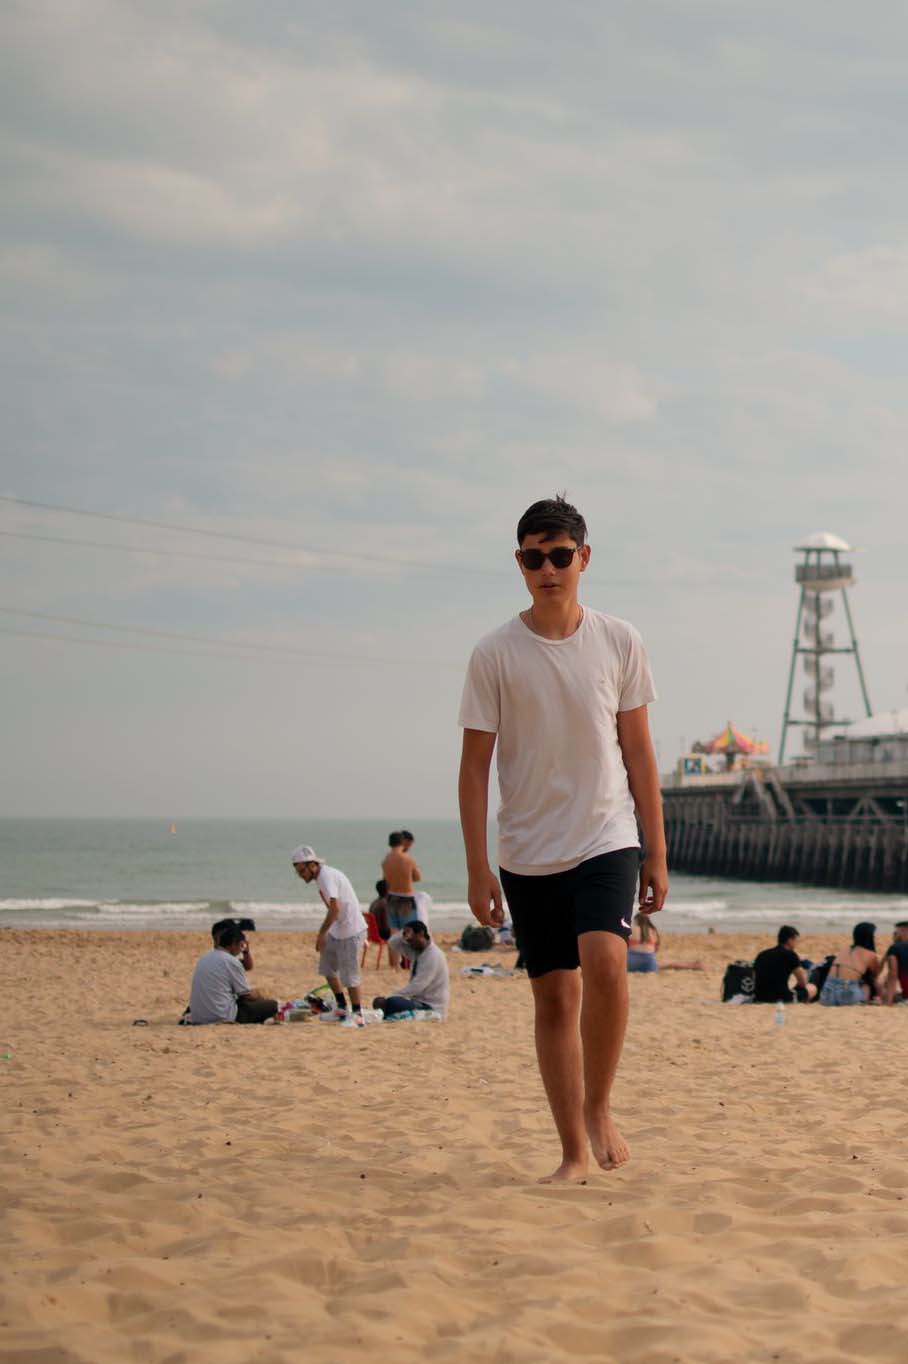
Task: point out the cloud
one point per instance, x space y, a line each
872 282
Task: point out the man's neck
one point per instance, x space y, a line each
553 619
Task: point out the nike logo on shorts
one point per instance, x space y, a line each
624 923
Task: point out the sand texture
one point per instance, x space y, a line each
268 1195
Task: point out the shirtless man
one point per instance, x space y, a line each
400 871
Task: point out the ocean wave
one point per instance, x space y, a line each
10 906
153 907
697 906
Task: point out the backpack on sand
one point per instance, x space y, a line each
738 980
477 938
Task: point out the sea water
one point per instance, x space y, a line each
136 873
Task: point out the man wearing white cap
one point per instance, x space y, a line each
343 930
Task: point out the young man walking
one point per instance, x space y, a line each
563 691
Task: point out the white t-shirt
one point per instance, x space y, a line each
217 982
334 885
553 704
423 906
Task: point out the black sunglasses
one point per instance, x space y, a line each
560 557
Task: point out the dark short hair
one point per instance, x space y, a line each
231 934
381 887
405 834
902 923
862 935
419 927
247 925
786 933
395 839
551 517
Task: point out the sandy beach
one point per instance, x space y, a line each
308 1192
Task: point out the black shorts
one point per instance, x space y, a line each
550 912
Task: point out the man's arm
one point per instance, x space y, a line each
415 873
333 911
643 779
484 892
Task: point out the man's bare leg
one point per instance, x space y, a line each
603 1020
355 991
556 996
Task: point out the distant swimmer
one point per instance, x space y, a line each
400 870
563 691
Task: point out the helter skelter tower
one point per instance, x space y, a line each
820 574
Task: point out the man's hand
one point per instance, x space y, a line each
320 943
484 898
653 885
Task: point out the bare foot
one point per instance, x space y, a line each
568 1172
609 1147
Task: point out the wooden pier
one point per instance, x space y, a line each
824 825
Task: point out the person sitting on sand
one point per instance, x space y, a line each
896 964
644 944
428 986
774 967
852 974
342 932
220 991
248 926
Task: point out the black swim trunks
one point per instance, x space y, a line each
550 912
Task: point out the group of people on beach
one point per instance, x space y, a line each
860 974
220 991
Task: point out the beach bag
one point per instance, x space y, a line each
477 938
817 976
738 980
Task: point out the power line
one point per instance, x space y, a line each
117 644
137 549
210 653
445 569
213 642
390 560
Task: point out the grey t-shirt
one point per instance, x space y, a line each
217 981
428 983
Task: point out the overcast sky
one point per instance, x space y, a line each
368 279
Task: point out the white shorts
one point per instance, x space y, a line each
340 957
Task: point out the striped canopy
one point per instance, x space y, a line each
731 740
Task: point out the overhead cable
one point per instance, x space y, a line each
389 560
333 659
212 641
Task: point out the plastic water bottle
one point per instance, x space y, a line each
780 1015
